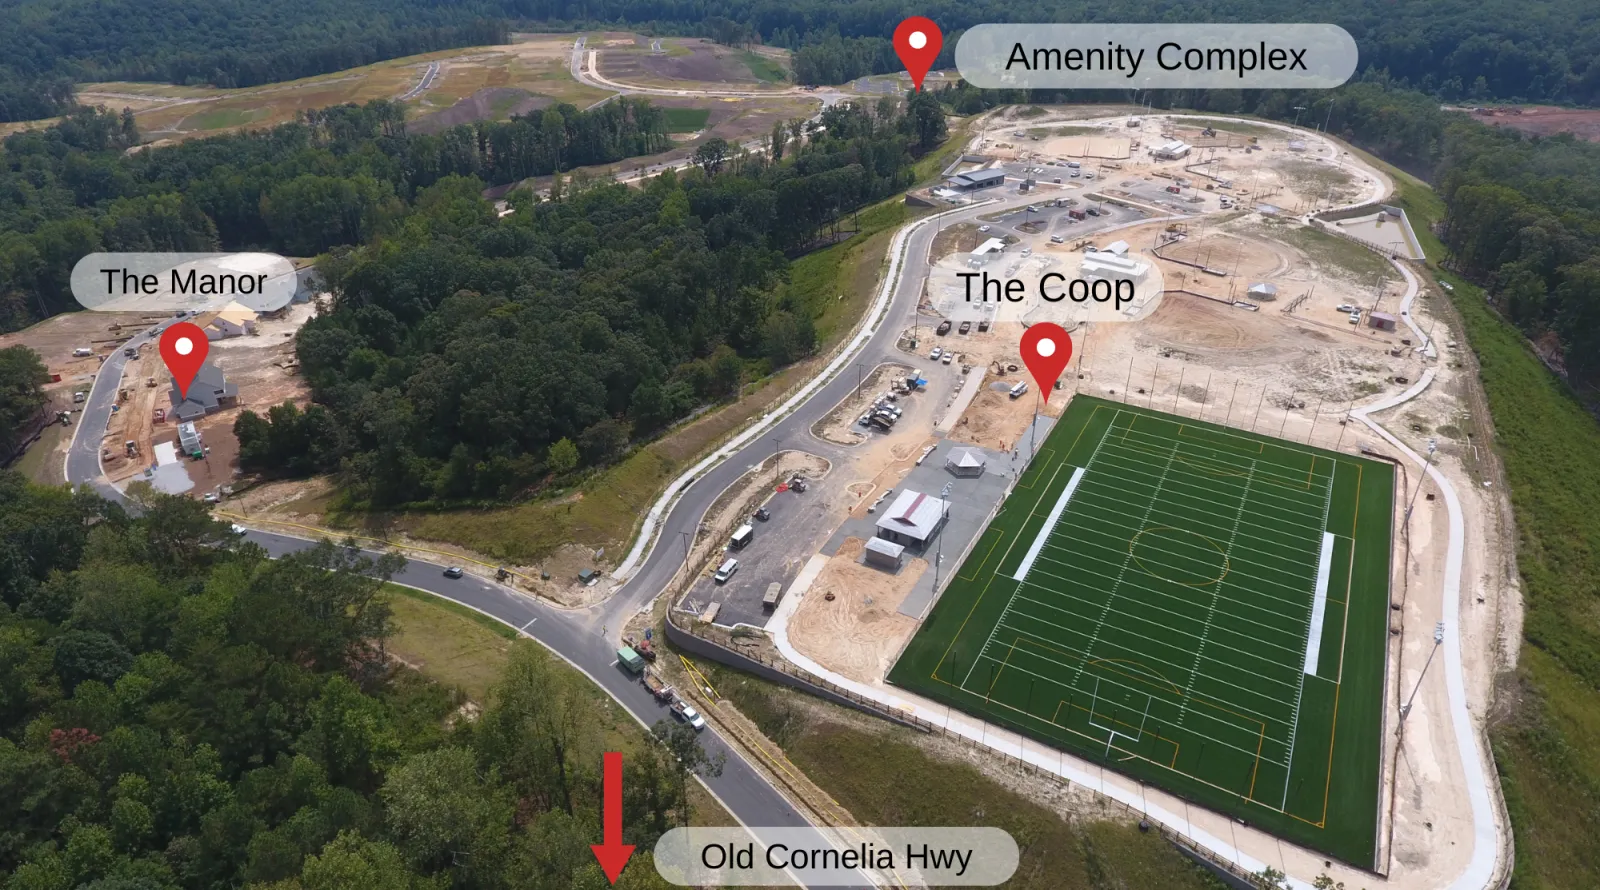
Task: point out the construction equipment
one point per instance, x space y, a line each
131 447
161 415
630 661
150 381
657 686
643 647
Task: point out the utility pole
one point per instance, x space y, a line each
1433 446
944 514
1438 640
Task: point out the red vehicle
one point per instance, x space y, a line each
1075 214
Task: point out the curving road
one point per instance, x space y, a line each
586 638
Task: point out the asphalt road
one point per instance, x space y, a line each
586 638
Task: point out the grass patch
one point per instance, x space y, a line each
1550 447
885 776
42 461
1336 255
448 642
457 646
685 120
1077 649
604 515
222 118
1548 713
765 69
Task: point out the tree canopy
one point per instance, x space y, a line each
179 712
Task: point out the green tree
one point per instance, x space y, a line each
442 811
563 457
22 379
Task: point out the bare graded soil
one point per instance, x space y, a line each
1544 120
489 103
858 632
685 61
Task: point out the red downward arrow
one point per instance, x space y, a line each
613 854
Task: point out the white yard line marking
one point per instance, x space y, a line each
1319 604
1216 593
1294 728
1049 525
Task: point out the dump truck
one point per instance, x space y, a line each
643 647
630 660
658 687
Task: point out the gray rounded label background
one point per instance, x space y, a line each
788 857
1131 56
168 282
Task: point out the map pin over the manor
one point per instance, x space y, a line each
917 42
183 349
1046 349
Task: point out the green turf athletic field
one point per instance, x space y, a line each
1196 606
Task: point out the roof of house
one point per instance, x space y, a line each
977 176
1105 263
205 391
965 457
886 547
913 514
237 313
1119 248
1262 287
1381 316
1175 146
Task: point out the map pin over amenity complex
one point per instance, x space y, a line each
183 349
917 42
1046 349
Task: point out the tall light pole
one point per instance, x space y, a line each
1438 640
944 513
1297 110
1433 446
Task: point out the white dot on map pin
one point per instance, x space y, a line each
918 40
1046 347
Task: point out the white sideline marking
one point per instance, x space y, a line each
1319 605
1049 525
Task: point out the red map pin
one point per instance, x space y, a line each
917 42
1046 349
183 349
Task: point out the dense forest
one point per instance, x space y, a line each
469 356
339 176
1459 50
178 712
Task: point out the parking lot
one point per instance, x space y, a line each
781 545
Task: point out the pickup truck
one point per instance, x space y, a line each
685 712
944 328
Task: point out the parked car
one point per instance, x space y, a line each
944 328
966 326
212 498
948 357
236 528
983 228
683 711
454 572
936 353
763 514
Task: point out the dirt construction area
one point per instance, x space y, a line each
848 620
675 63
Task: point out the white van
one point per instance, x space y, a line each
1057 239
725 571
1018 390
1073 165
742 538
82 352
